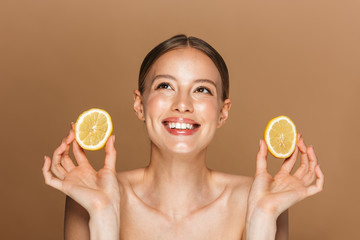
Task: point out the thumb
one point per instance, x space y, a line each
261 158
110 153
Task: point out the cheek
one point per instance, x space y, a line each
156 104
209 110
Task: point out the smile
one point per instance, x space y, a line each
180 126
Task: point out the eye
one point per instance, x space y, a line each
203 90
164 85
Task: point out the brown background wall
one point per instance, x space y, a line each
299 58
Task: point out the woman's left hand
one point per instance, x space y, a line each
274 195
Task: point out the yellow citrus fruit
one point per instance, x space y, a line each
280 136
92 129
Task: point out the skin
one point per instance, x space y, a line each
177 196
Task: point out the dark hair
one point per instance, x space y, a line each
182 41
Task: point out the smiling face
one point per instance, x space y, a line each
182 102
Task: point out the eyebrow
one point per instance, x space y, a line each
173 78
162 76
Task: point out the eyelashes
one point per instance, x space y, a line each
203 90
167 86
163 85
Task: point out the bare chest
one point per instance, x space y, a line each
218 221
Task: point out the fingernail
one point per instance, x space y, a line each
113 138
260 143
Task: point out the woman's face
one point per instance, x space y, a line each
182 103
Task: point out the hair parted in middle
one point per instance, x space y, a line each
182 41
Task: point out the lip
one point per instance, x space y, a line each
181 132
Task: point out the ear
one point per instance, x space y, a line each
224 112
138 105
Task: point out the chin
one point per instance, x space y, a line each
184 149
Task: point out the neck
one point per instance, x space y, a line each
177 184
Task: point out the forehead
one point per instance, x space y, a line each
186 63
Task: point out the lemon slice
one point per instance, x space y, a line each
280 136
92 129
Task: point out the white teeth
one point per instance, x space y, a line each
181 126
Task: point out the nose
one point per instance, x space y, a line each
182 103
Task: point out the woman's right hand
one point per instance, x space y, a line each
94 190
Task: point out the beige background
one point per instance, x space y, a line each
299 58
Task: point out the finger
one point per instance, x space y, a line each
261 158
56 166
304 160
79 154
319 184
48 177
289 163
311 174
110 153
65 160
67 163
313 162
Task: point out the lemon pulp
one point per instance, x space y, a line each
93 128
280 136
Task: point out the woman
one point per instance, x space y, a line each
183 99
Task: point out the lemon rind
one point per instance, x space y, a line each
267 137
107 134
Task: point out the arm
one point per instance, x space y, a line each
282 226
270 196
79 226
76 222
264 226
269 227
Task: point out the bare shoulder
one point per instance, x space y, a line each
234 182
237 186
128 178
